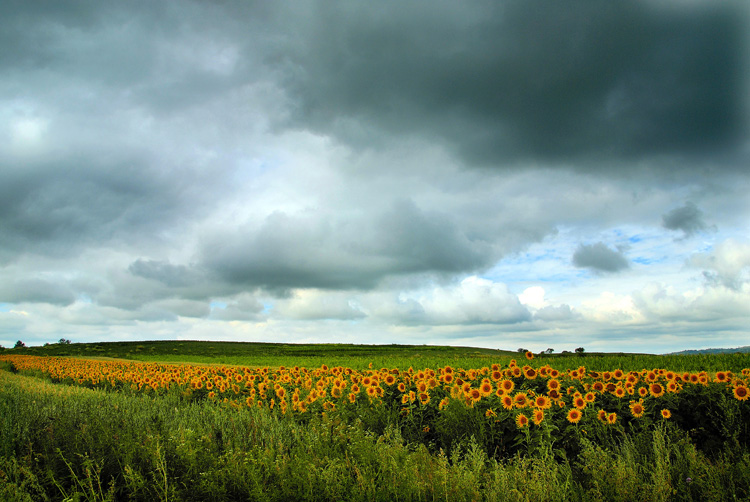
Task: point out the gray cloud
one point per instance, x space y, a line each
521 79
173 276
599 258
552 313
318 252
36 290
687 218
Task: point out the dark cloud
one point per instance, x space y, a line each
59 208
599 258
539 79
318 252
173 276
687 218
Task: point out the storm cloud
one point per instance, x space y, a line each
509 80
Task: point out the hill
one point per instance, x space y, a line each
745 349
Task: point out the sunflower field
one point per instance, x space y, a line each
523 430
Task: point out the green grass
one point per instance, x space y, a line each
360 356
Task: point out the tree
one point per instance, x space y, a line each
19 344
63 341
580 351
549 350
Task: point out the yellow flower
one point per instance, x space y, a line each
666 413
656 390
740 393
522 421
574 415
637 409
538 416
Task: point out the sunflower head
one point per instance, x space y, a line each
522 421
574 415
740 393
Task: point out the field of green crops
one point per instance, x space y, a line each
236 421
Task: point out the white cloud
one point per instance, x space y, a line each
728 263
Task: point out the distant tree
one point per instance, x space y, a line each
63 341
522 350
19 344
549 350
566 352
580 351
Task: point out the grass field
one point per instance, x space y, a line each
236 421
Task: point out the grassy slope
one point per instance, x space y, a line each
359 356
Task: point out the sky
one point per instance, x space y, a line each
506 174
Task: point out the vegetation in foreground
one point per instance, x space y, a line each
124 430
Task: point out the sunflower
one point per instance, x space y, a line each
538 416
637 409
598 386
497 375
530 373
602 415
612 418
490 413
740 393
590 397
522 421
656 390
485 389
443 403
574 415
424 398
542 402
521 400
352 397
507 402
620 392
529 355
474 395
579 403
507 386
666 413
643 391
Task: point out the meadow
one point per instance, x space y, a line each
211 420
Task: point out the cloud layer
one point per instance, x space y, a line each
502 173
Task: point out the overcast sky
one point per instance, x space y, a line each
516 173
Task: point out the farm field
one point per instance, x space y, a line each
205 420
